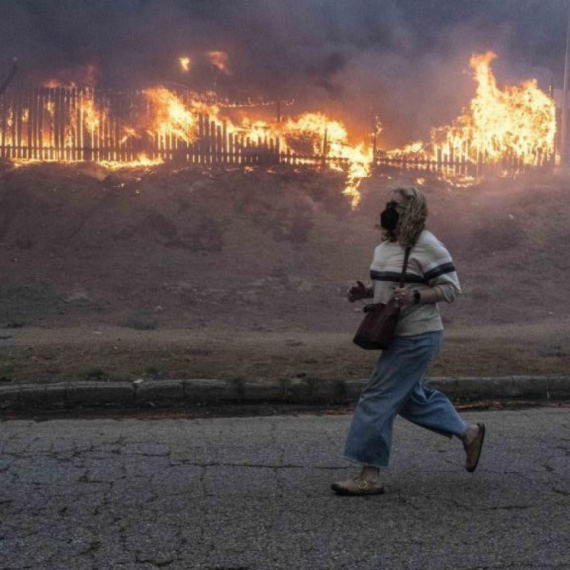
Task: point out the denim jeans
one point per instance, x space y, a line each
396 387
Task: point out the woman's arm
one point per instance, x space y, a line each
443 292
446 292
442 283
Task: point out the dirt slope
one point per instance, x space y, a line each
263 251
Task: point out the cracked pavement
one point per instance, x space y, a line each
254 493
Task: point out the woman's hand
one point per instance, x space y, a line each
403 297
357 291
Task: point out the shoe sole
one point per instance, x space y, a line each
345 492
482 428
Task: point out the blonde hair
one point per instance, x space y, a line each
413 220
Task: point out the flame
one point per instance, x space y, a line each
173 117
219 59
128 132
53 83
170 116
142 161
315 134
91 115
333 136
501 124
312 138
417 147
516 121
185 63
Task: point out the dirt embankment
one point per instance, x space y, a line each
244 273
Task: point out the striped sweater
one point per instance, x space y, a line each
430 265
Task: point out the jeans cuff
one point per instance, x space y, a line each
364 464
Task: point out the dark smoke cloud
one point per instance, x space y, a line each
403 59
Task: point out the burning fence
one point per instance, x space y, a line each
159 125
509 127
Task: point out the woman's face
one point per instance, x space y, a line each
399 199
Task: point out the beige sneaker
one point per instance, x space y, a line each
358 485
473 450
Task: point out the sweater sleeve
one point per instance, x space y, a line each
439 271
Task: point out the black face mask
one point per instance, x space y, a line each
389 218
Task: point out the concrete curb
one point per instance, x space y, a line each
307 391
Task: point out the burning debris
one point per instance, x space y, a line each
184 64
514 124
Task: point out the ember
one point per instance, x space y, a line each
185 64
219 59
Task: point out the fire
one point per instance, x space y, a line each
91 114
516 121
185 64
219 59
169 119
318 135
170 116
142 161
53 83
330 138
501 123
417 147
128 132
311 134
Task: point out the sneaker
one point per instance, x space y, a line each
358 485
473 449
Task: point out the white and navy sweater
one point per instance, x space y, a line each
429 265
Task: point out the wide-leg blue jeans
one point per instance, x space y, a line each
397 387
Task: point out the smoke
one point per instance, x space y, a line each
405 60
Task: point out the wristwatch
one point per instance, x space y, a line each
417 296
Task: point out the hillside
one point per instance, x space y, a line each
238 253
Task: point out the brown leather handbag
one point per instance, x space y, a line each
376 331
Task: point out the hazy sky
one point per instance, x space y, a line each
404 59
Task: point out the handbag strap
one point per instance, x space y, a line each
406 258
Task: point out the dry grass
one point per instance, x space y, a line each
116 353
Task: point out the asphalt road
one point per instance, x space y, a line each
254 493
